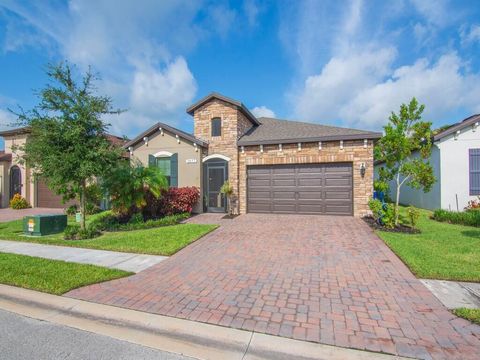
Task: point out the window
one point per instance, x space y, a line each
474 167
165 166
216 127
168 165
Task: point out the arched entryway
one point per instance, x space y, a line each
215 173
15 181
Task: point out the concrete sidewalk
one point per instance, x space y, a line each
455 294
110 259
194 339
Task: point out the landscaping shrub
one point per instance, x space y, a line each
470 217
71 210
413 215
74 232
388 218
384 214
18 202
91 209
375 206
172 201
108 221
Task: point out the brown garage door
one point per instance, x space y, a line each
301 188
48 199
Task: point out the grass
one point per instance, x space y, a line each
441 251
470 314
51 276
165 240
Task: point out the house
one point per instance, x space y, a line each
274 166
455 160
15 178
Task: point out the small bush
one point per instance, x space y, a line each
91 209
71 210
469 218
18 202
413 216
74 232
172 201
136 218
375 206
388 218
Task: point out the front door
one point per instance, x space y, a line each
15 181
216 176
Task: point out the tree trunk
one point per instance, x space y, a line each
397 200
83 204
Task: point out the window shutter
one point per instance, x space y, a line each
152 161
174 170
474 165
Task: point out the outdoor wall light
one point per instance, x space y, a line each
130 149
161 131
474 127
145 140
455 137
362 169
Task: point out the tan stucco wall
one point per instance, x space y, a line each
189 174
353 151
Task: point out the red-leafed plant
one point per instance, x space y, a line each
172 201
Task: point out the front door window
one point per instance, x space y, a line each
215 178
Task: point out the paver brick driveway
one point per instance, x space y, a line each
316 278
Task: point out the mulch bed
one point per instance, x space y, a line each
400 228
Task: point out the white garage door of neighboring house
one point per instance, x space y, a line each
301 189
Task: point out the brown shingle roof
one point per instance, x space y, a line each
5 157
275 131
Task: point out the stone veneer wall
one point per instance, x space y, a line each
353 151
234 124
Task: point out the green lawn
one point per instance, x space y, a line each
165 240
440 251
470 314
51 276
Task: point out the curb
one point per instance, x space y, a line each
185 337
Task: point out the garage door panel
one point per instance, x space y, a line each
301 188
283 195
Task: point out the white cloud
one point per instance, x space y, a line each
263 111
376 89
163 91
470 35
252 10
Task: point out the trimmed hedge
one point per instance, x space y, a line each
107 221
469 218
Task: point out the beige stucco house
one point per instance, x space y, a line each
17 178
274 166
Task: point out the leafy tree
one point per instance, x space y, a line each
406 135
129 185
67 145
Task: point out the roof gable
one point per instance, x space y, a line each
167 128
471 120
191 109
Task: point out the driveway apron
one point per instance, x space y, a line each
323 279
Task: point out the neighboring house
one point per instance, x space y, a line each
15 178
456 163
274 166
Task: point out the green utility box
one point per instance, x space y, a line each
39 225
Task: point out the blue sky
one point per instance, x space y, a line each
346 63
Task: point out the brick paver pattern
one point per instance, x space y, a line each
324 279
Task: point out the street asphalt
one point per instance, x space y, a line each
25 338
